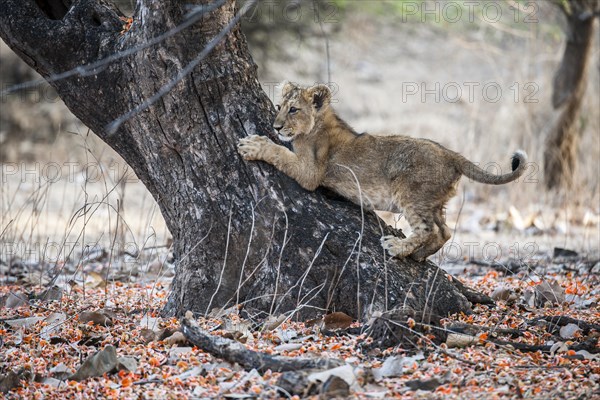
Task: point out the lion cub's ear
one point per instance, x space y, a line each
321 95
286 87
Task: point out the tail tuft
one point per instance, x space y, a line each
517 158
518 165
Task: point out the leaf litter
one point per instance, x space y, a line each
105 339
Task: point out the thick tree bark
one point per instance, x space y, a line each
560 154
242 231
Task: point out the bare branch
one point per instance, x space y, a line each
235 352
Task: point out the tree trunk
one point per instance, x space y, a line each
243 232
560 154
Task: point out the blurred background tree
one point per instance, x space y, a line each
570 84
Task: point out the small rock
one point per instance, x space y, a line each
97 364
127 364
568 331
429 384
335 388
9 382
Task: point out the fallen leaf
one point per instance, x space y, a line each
396 366
53 293
549 292
288 347
96 317
175 352
460 340
219 313
273 322
94 280
23 322
238 396
60 371
53 323
190 373
337 320
314 322
560 347
14 300
148 322
56 383
148 335
503 293
241 330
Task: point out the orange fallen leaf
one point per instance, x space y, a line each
154 362
336 346
445 389
256 389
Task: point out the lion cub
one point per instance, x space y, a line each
400 174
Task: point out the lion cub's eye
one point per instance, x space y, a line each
293 110
278 107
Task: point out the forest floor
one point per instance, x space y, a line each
540 340
535 252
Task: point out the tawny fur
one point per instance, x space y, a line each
400 174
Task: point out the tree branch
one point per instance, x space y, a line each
234 352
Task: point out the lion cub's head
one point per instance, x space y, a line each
300 109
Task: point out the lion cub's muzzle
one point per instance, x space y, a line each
283 136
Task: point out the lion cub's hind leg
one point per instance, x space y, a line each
422 223
441 235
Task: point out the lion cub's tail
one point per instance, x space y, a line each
470 170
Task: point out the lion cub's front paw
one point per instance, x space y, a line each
253 147
395 246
